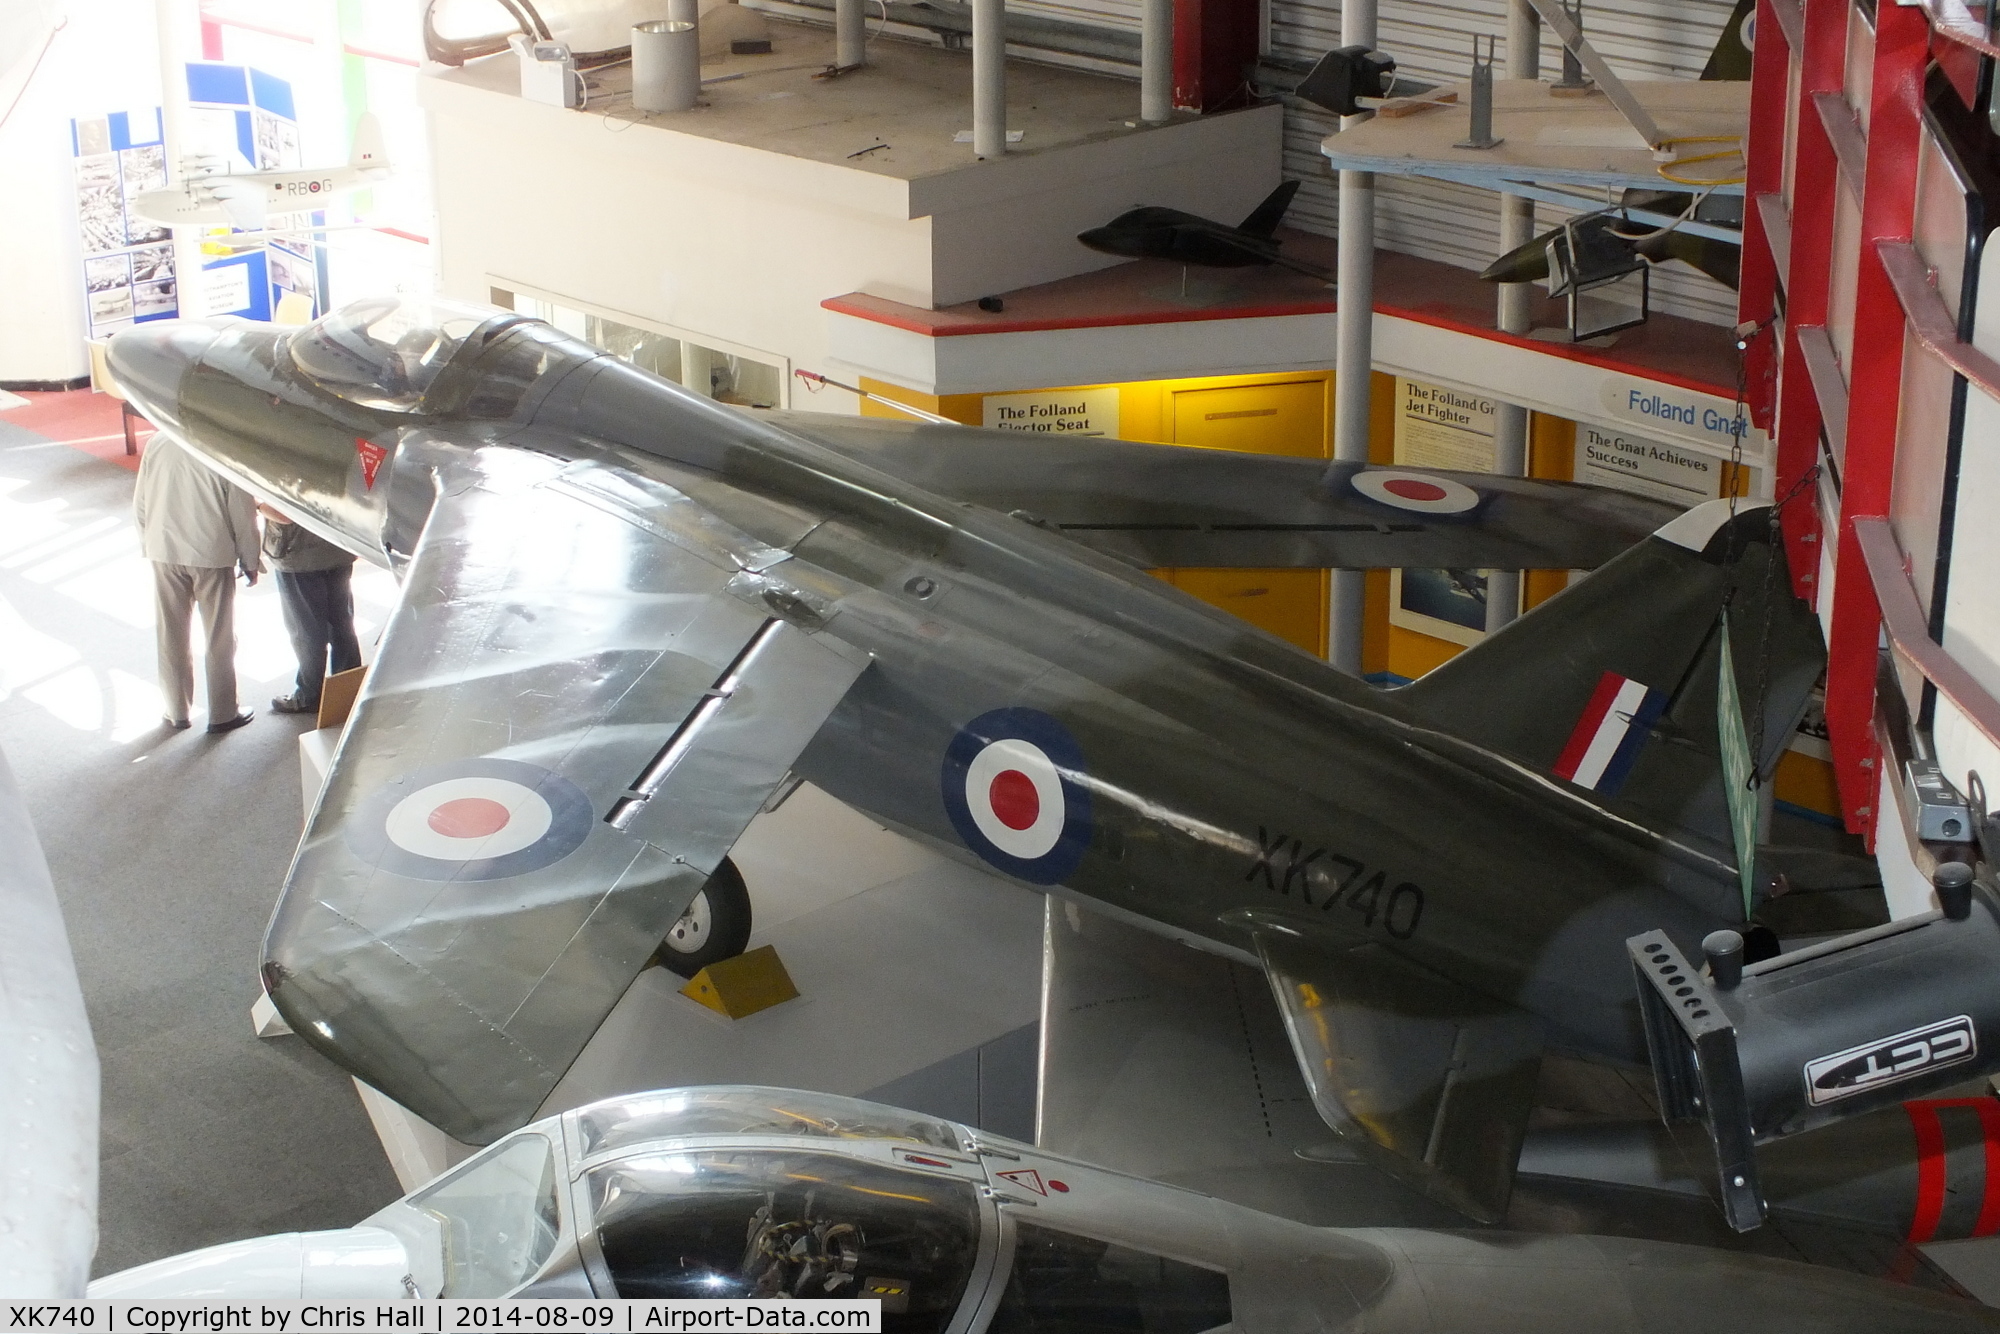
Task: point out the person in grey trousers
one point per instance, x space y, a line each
198 531
315 584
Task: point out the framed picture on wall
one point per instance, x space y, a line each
1438 426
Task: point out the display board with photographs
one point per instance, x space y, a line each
128 261
1438 426
245 118
239 120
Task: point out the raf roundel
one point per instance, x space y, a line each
1011 788
1419 493
479 819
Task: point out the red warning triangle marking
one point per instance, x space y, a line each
1028 1177
371 459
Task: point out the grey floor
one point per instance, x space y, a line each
167 851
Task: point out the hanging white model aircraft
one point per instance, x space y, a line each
208 197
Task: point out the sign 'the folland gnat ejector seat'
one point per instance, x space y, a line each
631 613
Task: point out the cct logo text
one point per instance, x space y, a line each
1891 1060
1010 787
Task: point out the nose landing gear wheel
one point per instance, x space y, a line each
716 926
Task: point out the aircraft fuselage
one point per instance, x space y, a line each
1209 778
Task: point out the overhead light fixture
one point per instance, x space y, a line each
1605 281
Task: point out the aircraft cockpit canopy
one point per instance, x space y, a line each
617 1123
782 1222
385 352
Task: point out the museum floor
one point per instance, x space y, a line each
166 849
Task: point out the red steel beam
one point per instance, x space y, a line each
1822 56
1764 251
1875 377
1910 632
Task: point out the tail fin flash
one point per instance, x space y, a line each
1264 219
368 148
1612 686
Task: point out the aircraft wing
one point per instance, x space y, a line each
582 698
1432 1082
1161 506
242 200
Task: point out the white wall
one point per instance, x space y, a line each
711 238
103 60
740 245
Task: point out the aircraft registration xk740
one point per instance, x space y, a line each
631 615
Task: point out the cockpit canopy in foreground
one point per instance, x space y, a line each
384 352
742 1192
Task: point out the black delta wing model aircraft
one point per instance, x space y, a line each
630 615
1157 232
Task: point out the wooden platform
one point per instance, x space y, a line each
1555 140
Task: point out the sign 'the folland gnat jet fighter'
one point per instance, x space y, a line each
215 198
630 615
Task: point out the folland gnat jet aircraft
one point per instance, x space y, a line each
210 197
632 615
1156 232
738 1192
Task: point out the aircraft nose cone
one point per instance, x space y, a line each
149 362
1109 240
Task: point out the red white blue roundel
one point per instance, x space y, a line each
1417 492
479 819
1011 790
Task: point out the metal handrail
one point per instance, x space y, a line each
1951 20
1909 630
1930 320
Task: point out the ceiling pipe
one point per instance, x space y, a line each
1156 61
989 78
1354 353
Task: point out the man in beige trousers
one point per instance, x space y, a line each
198 530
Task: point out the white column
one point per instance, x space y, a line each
1156 61
989 78
180 28
1354 354
1517 228
850 33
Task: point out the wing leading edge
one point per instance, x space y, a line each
581 700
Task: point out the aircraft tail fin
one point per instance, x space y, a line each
1612 685
1264 219
369 150
1730 60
